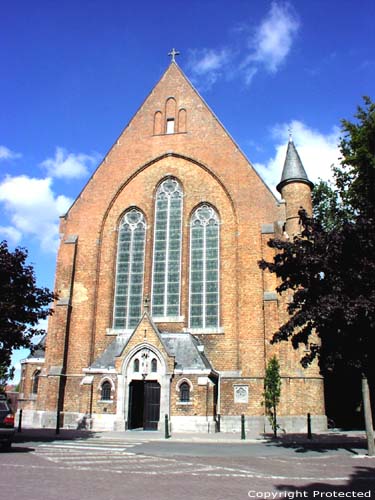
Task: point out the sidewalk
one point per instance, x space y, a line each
332 438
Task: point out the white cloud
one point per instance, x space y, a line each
317 151
208 65
11 234
273 39
265 49
69 165
7 154
33 208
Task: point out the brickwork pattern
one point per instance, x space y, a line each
211 169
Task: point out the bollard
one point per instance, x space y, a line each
218 422
309 435
167 435
20 421
58 422
243 435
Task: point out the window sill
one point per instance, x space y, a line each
168 319
207 331
184 403
106 401
170 133
119 331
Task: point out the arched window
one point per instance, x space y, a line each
204 268
105 394
136 365
154 365
184 392
35 382
130 269
167 250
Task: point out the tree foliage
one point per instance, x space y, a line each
22 303
330 267
355 180
331 276
272 391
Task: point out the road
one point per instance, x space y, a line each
102 467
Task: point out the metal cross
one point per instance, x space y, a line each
290 130
173 53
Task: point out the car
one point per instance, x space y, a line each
6 423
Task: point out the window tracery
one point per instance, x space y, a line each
204 268
130 270
167 250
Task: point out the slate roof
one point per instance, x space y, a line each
293 170
40 349
107 359
183 346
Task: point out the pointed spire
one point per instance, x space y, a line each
293 170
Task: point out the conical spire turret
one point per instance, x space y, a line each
295 189
293 170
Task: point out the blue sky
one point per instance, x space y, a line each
74 74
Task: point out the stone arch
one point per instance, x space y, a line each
182 381
128 378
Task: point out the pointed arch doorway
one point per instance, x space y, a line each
144 405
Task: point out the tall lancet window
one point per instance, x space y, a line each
204 268
130 270
167 250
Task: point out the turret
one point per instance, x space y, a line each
295 188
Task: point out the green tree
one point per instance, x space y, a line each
22 305
272 391
4 374
330 266
328 208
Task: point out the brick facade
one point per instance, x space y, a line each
211 169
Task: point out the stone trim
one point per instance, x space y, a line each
269 296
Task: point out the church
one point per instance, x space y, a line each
162 309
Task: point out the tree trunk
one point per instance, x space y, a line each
368 417
274 423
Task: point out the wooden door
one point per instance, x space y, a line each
151 413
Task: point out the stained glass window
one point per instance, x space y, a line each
130 269
204 268
167 250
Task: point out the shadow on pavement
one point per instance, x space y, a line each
17 449
320 443
30 436
361 480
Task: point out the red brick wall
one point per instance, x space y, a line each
210 168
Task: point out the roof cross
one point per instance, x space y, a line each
173 53
290 130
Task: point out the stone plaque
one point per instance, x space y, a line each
241 394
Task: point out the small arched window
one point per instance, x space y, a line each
106 391
154 365
184 392
35 382
136 365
